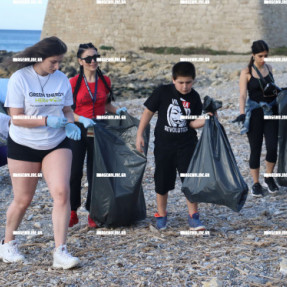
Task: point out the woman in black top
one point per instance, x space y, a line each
259 104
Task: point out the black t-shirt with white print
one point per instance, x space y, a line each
170 128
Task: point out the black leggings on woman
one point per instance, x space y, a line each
80 149
259 127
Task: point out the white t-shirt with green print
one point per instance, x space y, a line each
25 90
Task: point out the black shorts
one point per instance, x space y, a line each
168 159
24 153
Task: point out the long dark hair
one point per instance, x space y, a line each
257 47
48 47
82 48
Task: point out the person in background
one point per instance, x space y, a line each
4 128
90 91
5 122
39 99
252 115
3 89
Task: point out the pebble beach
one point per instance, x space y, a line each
238 249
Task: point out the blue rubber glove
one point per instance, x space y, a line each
86 122
73 132
56 122
119 110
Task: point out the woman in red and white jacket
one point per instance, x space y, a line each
90 100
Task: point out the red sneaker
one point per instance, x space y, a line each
73 219
92 223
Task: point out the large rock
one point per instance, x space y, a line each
4 73
128 69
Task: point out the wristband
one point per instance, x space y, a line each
46 120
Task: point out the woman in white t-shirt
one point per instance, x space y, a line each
39 99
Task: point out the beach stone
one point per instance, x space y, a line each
283 266
149 65
128 69
234 75
70 71
30 217
131 86
212 66
214 282
37 225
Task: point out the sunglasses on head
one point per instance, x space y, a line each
89 59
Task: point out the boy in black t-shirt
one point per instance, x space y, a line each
175 137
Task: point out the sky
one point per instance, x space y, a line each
22 14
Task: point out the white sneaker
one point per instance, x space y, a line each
9 252
63 259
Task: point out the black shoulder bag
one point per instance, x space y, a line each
270 89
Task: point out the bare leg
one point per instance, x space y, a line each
269 166
56 167
23 190
255 174
192 207
161 203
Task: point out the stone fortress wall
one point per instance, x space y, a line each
230 25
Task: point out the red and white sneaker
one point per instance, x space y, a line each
9 252
73 219
63 259
92 223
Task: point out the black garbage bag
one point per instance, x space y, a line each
211 105
213 156
118 201
282 137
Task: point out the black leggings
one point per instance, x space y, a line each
259 127
79 149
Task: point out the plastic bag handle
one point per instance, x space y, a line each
215 138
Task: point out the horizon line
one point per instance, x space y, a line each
19 30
